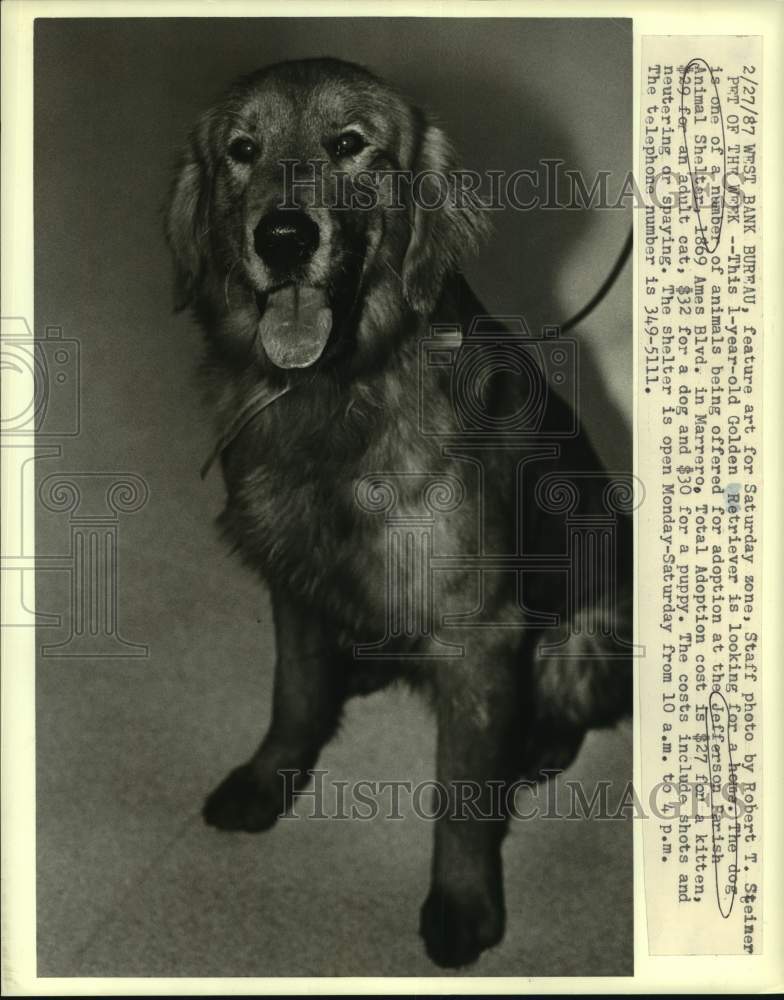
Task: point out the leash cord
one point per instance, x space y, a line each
605 288
259 400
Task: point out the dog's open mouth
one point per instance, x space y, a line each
295 322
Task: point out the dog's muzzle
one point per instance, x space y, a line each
295 319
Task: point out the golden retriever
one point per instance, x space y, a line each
399 538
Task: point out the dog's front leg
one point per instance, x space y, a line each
478 710
308 696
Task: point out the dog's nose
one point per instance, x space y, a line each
285 239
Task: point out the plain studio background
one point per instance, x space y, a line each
130 882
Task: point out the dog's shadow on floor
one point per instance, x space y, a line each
533 252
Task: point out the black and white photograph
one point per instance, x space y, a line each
333 601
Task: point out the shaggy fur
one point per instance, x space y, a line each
507 703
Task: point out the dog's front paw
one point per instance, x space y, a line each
455 930
244 802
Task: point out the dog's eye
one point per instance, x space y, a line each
243 150
348 144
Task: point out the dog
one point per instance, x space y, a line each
352 471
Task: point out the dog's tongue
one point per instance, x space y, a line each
295 326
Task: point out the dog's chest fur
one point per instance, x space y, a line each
316 479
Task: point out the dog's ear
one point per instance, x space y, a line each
448 221
187 215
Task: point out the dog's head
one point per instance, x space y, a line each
314 210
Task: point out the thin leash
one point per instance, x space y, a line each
605 288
